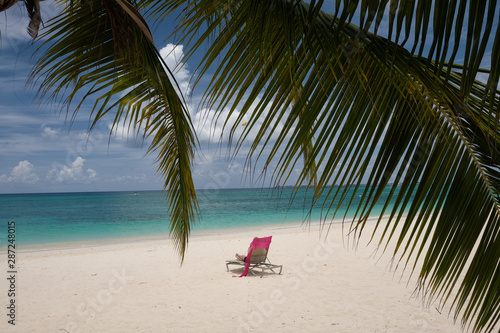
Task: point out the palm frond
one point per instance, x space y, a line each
377 114
102 50
33 10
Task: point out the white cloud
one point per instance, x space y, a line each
91 173
173 54
49 133
22 174
211 125
209 128
75 172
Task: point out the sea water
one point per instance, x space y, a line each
70 217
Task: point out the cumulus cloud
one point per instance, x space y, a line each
212 168
23 173
211 125
50 134
173 54
72 173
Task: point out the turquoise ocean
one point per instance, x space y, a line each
72 217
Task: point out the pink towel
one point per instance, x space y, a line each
257 243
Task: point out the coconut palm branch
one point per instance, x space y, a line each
102 51
377 114
307 145
33 10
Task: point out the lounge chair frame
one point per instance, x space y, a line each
258 260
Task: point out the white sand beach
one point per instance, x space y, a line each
140 286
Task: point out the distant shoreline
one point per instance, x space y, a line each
90 219
259 230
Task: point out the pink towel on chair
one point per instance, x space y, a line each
257 243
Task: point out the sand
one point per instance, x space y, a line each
140 286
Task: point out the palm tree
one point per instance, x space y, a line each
369 112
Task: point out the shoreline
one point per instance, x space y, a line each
103 242
141 286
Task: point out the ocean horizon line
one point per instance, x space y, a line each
75 216
197 189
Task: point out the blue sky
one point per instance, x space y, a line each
43 151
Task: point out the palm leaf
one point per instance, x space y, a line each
102 50
376 114
33 10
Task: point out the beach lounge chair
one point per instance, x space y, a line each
256 258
